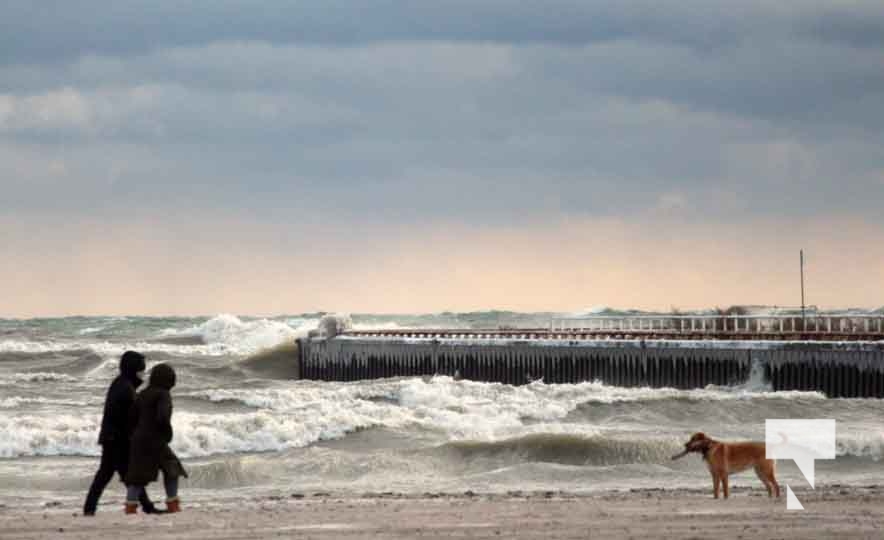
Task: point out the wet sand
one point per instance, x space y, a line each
830 512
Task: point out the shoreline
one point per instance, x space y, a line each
833 511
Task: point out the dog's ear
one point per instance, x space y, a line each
699 442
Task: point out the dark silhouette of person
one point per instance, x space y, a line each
116 430
150 453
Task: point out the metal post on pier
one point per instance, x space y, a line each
801 255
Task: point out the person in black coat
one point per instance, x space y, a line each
116 430
150 452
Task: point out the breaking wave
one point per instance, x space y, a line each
587 423
15 378
234 335
202 435
108 349
568 449
219 336
55 435
274 362
16 402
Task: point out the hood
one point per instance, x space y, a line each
162 376
130 364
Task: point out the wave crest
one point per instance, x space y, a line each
568 449
242 336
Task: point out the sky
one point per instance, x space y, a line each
264 157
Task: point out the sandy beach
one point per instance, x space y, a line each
830 512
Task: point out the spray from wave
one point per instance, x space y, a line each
222 335
236 335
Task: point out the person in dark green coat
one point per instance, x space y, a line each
150 453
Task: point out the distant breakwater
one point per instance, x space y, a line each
837 369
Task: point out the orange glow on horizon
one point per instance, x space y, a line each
212 266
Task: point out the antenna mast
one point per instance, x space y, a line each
801 255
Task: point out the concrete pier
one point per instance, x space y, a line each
854 369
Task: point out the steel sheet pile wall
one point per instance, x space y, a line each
837 369
347 359
852 372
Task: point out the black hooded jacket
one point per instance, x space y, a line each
152 418
115 423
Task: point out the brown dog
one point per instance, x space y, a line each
724 459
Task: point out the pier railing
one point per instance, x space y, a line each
756 325
814 327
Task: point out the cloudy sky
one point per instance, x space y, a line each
262 157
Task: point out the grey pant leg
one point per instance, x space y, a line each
171 485
134 493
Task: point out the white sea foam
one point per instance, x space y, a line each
48 435
36 347
756 381
596 392
229 334
260 431
222 335
389 325
865 441
15 378
197 434
305 414
594 310
91 330
16 402
299 414
106 348
457 410
109 365
757 385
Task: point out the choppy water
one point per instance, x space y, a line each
244 427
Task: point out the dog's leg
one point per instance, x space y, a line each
763 476
724 482
773 480
773 477
715 485
767 473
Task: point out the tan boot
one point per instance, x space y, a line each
173 505
131 507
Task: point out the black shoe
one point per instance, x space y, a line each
153 510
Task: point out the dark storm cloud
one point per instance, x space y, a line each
479 110
57 30
857 25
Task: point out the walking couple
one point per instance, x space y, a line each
136 430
